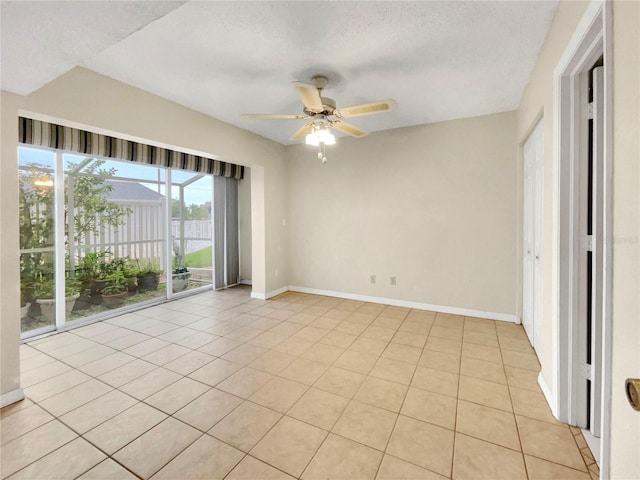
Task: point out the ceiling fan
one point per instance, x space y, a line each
324 115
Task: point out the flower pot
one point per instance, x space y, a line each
97 286
48 306
148 282
88 295
24 311
114 301
180 281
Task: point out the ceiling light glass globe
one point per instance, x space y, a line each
312 139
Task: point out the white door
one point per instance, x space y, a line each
532 233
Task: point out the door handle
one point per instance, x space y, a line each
632 387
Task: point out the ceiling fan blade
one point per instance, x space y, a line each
301 132
310 96
274 116
366 109
349 129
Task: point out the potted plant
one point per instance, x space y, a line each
116 290
44 292
130 270
91 271
180 276
148 275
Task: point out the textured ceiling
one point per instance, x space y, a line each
438 60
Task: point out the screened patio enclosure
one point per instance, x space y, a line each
100 235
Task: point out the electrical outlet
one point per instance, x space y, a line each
393 280
372 278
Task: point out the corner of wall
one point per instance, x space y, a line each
9 263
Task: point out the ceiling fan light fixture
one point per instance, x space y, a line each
325 136
320 134
312 139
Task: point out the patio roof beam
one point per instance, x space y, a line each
190 181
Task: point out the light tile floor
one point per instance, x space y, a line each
218 385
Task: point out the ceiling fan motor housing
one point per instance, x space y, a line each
328 104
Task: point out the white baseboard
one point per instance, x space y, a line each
504 317
546 391
246 282
266 296
594 444
11 397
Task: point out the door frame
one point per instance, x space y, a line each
591 39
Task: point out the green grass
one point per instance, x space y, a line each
199 258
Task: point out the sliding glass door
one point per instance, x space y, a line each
98 236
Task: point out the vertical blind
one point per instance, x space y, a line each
37 132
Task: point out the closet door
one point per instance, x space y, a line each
532 234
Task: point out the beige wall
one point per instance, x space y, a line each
86 99
538 100
625 422
244 227
9 262
433 205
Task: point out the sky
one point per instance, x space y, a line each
199 192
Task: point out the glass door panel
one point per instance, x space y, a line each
36 179
191 230
115 235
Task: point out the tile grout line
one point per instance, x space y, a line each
404 399
455 425
384 452
515 419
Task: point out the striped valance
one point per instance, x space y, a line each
36 132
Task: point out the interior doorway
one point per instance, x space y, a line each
592 270
581 255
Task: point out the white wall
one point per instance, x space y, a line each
433 205
88 100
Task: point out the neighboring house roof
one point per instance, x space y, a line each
126 191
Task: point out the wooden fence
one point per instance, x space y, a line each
142 234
